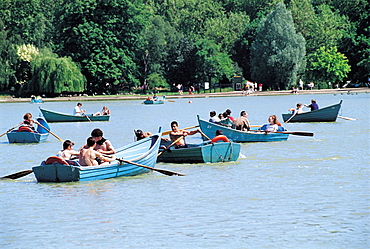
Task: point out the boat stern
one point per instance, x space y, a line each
56 173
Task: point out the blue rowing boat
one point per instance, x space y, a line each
24 134
143 152
53 116
36 101
325 114
210 129
201 153
157 101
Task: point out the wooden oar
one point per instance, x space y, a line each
86 116
204 135
168 100
255 126
291 117
160 153
168 132
48 131
347 118
166 172
297 133
18 174
11 129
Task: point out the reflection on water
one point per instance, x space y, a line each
307 192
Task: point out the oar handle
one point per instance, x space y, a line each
168 132
48 130
291 117
160 153
86 116
204 135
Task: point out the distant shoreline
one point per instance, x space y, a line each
195 95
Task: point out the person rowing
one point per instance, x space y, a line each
28 121
176 134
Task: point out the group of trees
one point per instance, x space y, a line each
57 46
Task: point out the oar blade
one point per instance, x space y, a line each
298 133
169 173
18 174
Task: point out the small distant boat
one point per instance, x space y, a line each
53 116
325 114
201 153
24 134
157 101
36 101
142 152
210 129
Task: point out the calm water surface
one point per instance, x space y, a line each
307 192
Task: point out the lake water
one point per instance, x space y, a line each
307 192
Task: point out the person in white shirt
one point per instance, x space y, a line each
213 117
78 111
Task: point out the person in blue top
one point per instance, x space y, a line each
313 105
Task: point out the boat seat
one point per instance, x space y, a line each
73 162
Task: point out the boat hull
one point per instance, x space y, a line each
210 129
38 136
142 152
201 153
26 137
326 114
52 116
155 102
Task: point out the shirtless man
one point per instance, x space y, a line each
88 155
103 145
176 133
242 123
68 151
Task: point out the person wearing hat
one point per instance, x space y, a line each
67 153
313 105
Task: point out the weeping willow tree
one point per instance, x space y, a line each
54 75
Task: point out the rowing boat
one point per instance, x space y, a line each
53 116
325 114
24 134
155 101
36 101
142 152
201 153
210 129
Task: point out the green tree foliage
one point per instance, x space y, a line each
104 37
8 58
160 38
55 75
124 43
356 42
32 20
211 60
278 51
327 64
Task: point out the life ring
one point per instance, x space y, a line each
56 160
220 138
25 128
